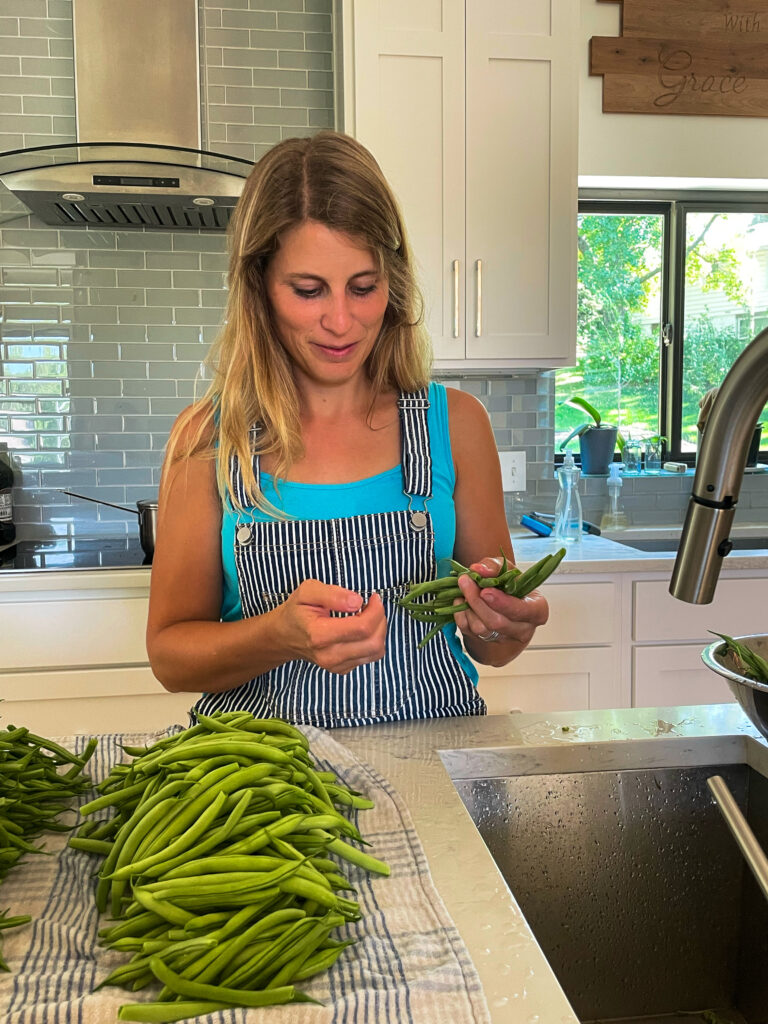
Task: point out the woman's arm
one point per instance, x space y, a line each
190 649
482 535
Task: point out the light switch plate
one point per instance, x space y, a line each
512 470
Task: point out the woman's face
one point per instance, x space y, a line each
328 301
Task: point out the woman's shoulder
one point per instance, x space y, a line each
469 426
464 408
194 429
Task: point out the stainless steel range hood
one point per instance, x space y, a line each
138 160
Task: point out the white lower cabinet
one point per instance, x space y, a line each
621 640
737 608
664 676
572 662
668 636
106 699
74 658
551 680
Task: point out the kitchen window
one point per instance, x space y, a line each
670 291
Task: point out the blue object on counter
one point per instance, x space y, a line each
536 526
547 519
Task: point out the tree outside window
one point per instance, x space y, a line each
713 295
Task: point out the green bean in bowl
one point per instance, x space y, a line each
435 601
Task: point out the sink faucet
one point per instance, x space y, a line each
720 466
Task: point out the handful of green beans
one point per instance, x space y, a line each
219 867
748 661
433 600
34 791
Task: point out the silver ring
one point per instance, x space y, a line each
492 636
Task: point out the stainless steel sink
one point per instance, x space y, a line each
633 885
670 544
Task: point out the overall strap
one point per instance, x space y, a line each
235 473
415 455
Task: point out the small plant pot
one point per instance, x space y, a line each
597 445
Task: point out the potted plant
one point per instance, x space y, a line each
597 440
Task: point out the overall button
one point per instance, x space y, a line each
418 520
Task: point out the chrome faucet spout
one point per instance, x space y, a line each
719 471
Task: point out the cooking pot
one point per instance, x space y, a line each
146 510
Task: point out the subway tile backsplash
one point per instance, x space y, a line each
103 333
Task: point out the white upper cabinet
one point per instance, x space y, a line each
470 107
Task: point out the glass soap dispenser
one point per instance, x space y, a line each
615 518
568 517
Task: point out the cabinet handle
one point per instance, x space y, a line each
479 318
455 298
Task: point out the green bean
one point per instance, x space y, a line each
110 799
226 880
163 908
237 997
13 922
141 924
432 632
320 960
168 1013
98 846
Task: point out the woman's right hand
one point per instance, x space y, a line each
336 643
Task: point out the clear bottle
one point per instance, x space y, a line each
615 518
7 528
568 516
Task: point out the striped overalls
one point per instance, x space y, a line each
383 553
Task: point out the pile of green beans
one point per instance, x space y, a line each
435 601
34 792
221 849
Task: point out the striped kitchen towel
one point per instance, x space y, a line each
408 964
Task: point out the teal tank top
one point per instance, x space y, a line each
380 493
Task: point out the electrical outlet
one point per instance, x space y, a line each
512 470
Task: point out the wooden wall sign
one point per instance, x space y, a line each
685 57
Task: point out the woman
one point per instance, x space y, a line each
323 473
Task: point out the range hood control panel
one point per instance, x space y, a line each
135 180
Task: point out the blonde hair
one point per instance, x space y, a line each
332 179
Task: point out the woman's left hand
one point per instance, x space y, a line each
497 627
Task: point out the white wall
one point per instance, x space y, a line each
665 145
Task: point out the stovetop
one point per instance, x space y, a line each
74 553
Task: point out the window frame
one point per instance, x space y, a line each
674 205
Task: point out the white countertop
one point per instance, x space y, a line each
602 554
520 986
592 555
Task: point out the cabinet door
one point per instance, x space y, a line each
92 701
738 608
671 676
559 680
404 100
521 82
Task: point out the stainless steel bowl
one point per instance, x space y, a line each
751 695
